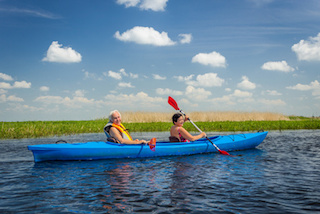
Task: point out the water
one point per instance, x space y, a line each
281 176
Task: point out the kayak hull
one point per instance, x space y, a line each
107 150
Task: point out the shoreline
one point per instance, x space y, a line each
37 129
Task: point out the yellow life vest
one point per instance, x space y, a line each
124 132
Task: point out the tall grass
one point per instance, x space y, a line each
148 117
149 122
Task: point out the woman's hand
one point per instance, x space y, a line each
203 134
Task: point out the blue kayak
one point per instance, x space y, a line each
107 150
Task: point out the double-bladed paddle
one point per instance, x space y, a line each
174 104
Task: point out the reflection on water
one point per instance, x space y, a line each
282 176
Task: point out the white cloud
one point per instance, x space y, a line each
197 93
273 93
79 93
128 3
207 80
237 96
2 91
125 85
14 98
158 77
227 99
114 75
167 91
5 85
5 77
246 84
3 98
57 53
238 93
141 99
75 102
308 50
185 38
277 102
22 84
123 72
11 98
155 5
134 76
277 66
145 36
184 79
16 84
213 59
30 12
44 88
313 86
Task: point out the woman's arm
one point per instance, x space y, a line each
184 133
116 134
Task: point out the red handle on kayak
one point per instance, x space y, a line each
174 104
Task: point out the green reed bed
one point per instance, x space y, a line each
35 129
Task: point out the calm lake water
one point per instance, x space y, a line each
281 176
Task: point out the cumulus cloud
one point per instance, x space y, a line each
308 50
207 80
272 93
2 91
128 3
158 77
22 84
238 93
5 85
11 98
155 5
44 88
246 84
57 53
184 79
197 93
213 59
277 102
145 36
114 75
313 86
16 84
125 85
75 102
5 77
185 38
167 91
134 76
277 66
237 96
141 99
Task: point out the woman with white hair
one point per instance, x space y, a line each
115 131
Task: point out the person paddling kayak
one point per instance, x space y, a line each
116 131
178 133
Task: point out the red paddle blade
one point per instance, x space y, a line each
152 144
223 152
173 103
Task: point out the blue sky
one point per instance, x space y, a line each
78 60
